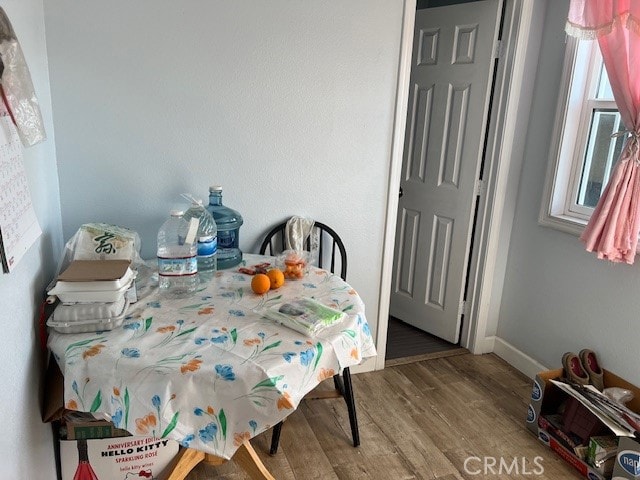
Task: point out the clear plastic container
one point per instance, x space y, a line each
177 261
228 222
207 237
293 263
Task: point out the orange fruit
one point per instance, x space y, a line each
276 277
260 283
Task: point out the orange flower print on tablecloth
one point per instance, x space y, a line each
352 292
250 342
191 366
325 373
206 311
92 351
116 392
167 329
72 405
240 438
145 424
210 410
285 402
355 353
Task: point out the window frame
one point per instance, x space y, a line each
570 139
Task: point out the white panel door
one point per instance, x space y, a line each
452 68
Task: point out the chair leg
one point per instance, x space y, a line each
275 438
351 406
337 382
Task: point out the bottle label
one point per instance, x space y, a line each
176 267
228 239
207 246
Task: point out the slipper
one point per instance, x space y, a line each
592 367
573 369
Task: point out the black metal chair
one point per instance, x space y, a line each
273 244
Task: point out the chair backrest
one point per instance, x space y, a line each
274 244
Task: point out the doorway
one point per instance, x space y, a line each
408 344
451 80
518 51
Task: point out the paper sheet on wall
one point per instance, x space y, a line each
18 223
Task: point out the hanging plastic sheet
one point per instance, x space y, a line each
16 87
299 232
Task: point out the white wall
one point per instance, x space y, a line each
287 104
557 297
27 444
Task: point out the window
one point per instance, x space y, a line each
583 152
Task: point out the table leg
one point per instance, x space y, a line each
247 458
182 464
187 458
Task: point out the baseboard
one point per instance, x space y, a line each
517 359
486 345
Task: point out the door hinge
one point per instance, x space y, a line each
480 188
463 309
498 50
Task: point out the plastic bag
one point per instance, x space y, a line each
304 315
102 241
619 395
293 263
16 87
296 232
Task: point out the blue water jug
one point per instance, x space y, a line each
228 222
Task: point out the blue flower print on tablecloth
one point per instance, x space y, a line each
160 409
214 431
224 372
254 425
221 337
288 356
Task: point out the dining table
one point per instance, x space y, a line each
210 370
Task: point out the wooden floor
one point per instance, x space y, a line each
417 421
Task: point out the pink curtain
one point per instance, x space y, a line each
612 232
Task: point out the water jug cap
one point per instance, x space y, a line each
176 212
215 188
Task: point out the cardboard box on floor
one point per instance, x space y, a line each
113 458
53 401
120 458
546 397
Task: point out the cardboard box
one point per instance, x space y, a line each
89 430
120 458
93 429
602 453
110 458
544 402
53 401
110 271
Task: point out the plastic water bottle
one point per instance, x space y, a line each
207 237
228 222
177 262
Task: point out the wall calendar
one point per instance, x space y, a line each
19 227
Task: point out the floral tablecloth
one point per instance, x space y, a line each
210 371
